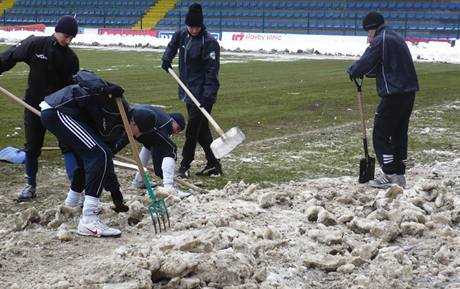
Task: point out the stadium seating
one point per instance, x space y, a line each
92 13
440 19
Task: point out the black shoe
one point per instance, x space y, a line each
183 172
210 170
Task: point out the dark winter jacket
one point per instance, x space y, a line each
199 59
93 106
389 60
156 126
51 65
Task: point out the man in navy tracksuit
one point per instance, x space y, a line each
389 60
85 119
52 64
199 56
152 127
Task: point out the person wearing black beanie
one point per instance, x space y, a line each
373 20
52 64
67 24
389 60
153 127
199 62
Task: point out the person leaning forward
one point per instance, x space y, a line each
153 127
52 64
85 120
389 60
199 61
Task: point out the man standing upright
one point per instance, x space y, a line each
52 64
389 60
199 59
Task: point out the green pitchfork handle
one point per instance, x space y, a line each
134 148
20 101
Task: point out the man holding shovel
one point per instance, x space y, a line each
389 60
52 64
199 60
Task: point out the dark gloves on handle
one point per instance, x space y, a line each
166 65
117 199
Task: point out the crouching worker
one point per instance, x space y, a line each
81 116
153 127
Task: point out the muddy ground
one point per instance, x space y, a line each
319 233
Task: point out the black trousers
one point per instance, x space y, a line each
197 131
93 156
391 125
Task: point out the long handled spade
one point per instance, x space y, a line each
367 164
227 140
157 207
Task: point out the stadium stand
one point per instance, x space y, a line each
92 13
417 19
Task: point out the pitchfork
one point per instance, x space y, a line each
157 206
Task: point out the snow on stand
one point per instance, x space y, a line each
433 50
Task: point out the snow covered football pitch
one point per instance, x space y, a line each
299 115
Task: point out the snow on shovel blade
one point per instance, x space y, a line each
225 144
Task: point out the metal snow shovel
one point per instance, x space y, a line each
367 164
157 207
227 140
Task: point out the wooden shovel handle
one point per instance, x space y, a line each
129 132
20 101
361 105
193 98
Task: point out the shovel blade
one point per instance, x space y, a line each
366 169
225 144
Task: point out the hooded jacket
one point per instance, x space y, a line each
51 65
92 106
199 58
389 60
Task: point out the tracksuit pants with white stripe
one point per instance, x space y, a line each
391 125
90 151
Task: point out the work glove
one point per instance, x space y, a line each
117 199
166 65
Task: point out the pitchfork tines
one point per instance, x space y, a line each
157 209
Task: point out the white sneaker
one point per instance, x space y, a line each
181 194
97 229
138 184
163 192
